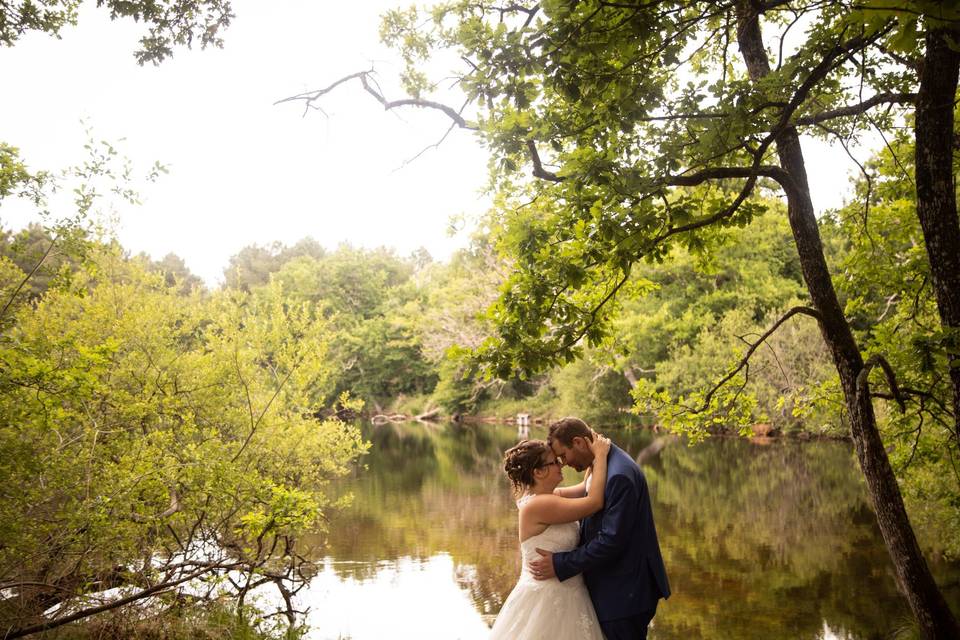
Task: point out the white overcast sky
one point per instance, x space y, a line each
244 171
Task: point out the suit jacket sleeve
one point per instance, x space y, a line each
616 531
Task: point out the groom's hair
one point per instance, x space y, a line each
565 430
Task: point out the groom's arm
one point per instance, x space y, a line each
616 532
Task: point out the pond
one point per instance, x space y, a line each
772 540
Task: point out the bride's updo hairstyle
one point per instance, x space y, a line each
520 461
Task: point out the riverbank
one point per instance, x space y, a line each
533 412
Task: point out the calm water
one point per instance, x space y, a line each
760 541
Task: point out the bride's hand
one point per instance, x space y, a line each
600 445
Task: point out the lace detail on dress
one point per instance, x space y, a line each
522 500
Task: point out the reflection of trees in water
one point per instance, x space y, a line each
427 490
475 447
760 542
401 456
769 541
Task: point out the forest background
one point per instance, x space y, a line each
165 418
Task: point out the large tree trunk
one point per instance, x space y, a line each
927 602
936 193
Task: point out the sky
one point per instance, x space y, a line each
243 170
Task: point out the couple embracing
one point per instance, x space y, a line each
590 580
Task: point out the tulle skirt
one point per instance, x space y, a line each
547 610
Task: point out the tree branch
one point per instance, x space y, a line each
720 173
90 611
172 509
538 170
813 313
863 382
26 278
857 109
311 97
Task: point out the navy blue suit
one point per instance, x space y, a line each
619 555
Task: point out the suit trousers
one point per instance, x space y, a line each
633 628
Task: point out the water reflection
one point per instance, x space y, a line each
405 598
759 541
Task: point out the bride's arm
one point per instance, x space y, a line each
576 491
556 509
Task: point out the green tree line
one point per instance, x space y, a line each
620 132
157 431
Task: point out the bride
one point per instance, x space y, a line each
550 609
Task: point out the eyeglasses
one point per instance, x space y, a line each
556 461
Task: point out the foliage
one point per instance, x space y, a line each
142 423
453 320
28 249
253 265
15 178
646 132
641 126
372 300
598 394
887 281
170 22
175 272
687 332
48 251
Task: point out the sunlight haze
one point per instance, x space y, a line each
243 170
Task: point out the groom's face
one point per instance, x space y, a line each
577 455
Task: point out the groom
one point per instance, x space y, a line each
618 555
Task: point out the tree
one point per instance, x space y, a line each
13 172
888 288
29 249
157 439
163 437
453 321
369 298
170 23
611 106
253 264
175 272
678 332
48 251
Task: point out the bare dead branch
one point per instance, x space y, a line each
311 97
115 604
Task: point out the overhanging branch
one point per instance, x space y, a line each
858 109
311 97
863 379
115 604
538 170
813 313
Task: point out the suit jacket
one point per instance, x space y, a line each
619 555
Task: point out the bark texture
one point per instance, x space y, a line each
936 191
929 607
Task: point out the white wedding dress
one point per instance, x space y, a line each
547 609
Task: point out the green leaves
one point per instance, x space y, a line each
169 23
138 417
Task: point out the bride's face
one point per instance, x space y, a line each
548 473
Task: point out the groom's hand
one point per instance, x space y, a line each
542 569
